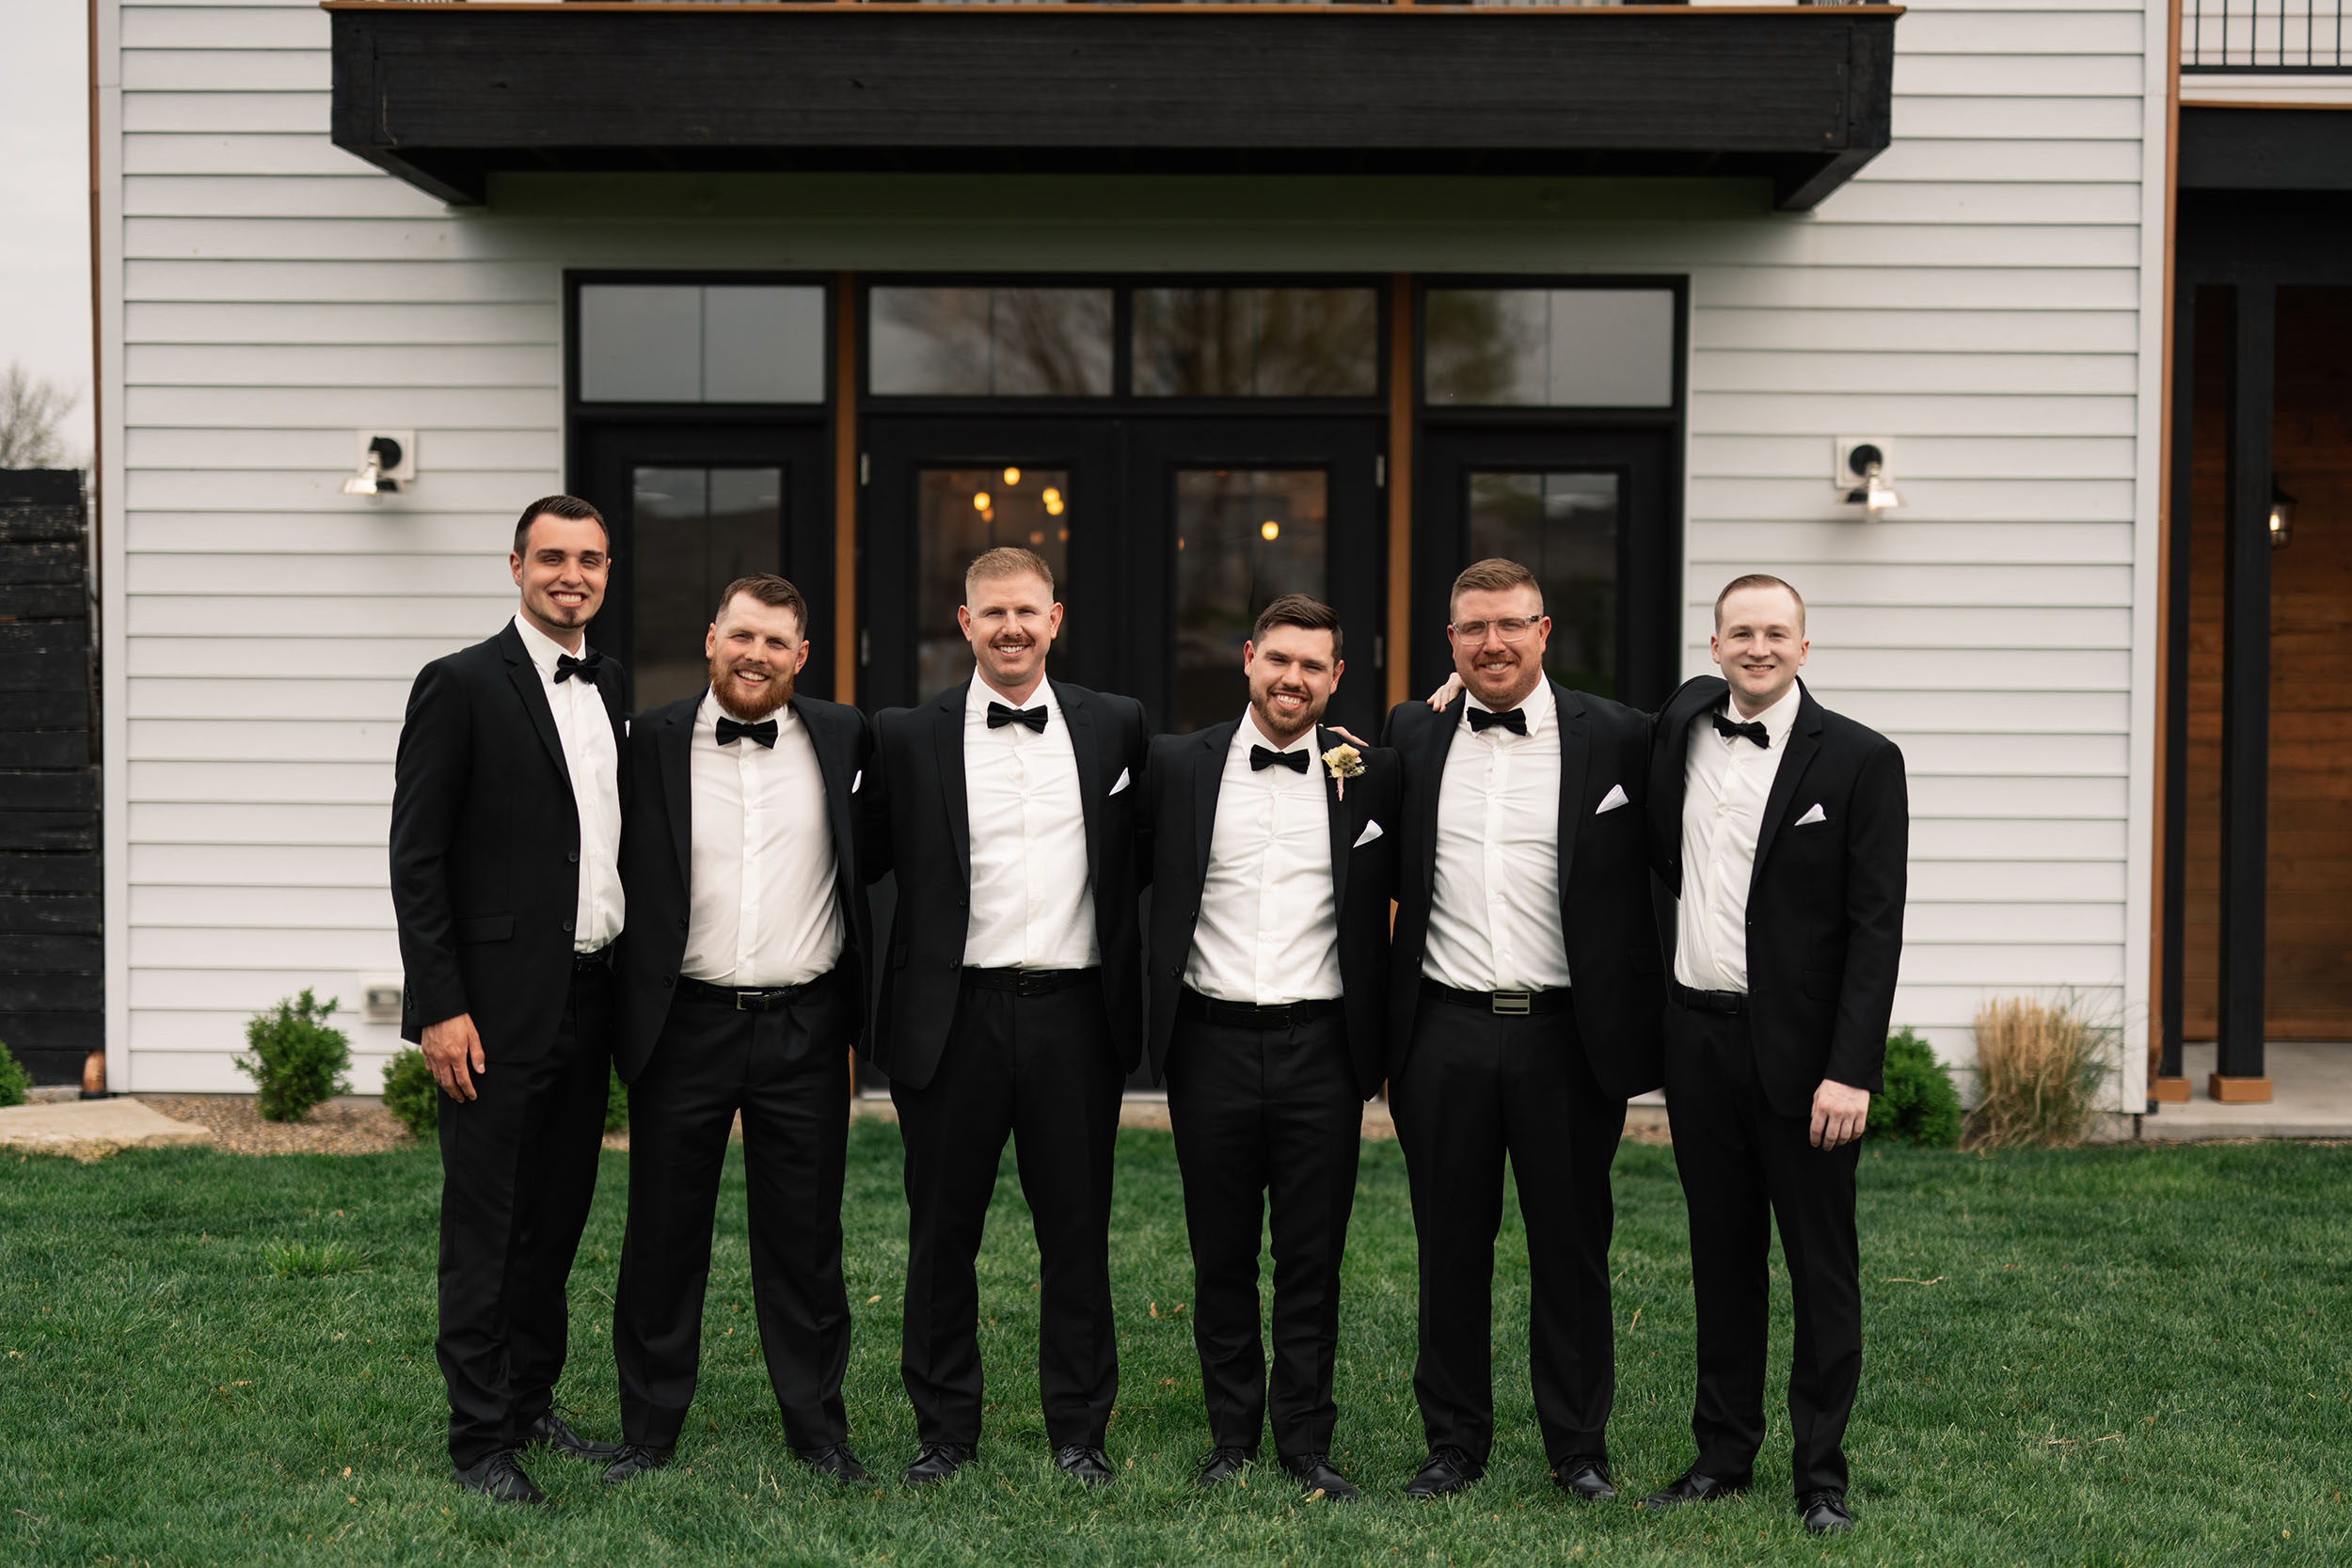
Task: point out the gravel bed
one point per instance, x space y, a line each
339 1127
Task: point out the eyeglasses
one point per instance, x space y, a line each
1513 629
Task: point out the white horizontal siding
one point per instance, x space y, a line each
1976 297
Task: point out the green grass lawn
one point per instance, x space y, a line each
2109 1355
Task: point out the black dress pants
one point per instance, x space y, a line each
1037 1068
1477 1086
519 1169
787 1071
1743 1165
1267 1119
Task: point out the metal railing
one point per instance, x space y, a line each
2241 36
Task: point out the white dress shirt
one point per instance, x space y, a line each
1268 929
763 907
1726 782
1494 921
1032 891
585 728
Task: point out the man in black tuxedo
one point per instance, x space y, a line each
1273 856
1011 1003
743 991
1785 828
505 843
1524 1013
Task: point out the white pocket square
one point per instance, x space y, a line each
1371 831
1816 814
859 780
1611 800
1121 784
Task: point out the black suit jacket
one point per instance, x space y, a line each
915 820
1617 979
1188 771
485 846
657 856
1825 902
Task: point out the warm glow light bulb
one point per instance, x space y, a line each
1012 477
1269 531
982 501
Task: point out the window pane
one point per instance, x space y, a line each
990 342
1563 528
763 344
1560 348
1244 538
958 513
640 343
697 530
1256 342
683 342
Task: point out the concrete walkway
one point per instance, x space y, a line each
90 1130
2311 1086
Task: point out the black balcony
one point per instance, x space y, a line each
445 96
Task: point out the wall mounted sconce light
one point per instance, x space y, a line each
387 461
2282 516
1863 475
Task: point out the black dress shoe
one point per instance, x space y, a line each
1824 1513
1222 1465
550 1431
1585 1477
1313 1473
1446 1471
1092 1465
1692 1487
935 1464
835 1459
501 1479
636 1459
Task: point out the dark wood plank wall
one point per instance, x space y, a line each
52 936
2308 973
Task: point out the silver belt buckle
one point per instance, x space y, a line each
750 1001
1514 1004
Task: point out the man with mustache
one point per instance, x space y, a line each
1011 1003
744 989
1522 1015
1269 939
506 845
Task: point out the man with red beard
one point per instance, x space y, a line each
742 991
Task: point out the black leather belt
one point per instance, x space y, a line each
1026 982
1731 1003
745 999
584 963
1510 1003
1192 1006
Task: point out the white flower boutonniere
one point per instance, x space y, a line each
1345 763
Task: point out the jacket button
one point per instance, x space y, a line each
567 925
665 979
575 857
681 925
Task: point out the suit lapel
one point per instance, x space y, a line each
1080 718
1335 810
1208 780
1804 740
824 738
1438 745
1567 709
674 751
947 745
525 676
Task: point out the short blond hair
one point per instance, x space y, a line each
1757 579
1494 575
1007 561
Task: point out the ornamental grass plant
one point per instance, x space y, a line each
2040 1064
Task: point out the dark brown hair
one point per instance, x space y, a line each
1303 610
1007 561
771 590
570 508
1757 579
1493 575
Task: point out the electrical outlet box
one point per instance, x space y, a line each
406 468
380 1000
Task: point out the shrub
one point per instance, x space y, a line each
2040 1064
13 1083
616 1103
1919 1104
298 1061
410 1093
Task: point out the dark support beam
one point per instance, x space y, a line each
2170 1083
2246 696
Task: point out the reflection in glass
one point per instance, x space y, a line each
989 342
687 343
1559 348
1562 527
1244 538
958 513
696 530
1256 342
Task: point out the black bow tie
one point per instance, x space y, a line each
1482 719
1260 758
730 731
1753 729
999 715
567 667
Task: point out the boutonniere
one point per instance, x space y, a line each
1343 763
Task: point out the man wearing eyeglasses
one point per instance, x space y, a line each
1525 999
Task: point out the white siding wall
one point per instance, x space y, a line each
1976 297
